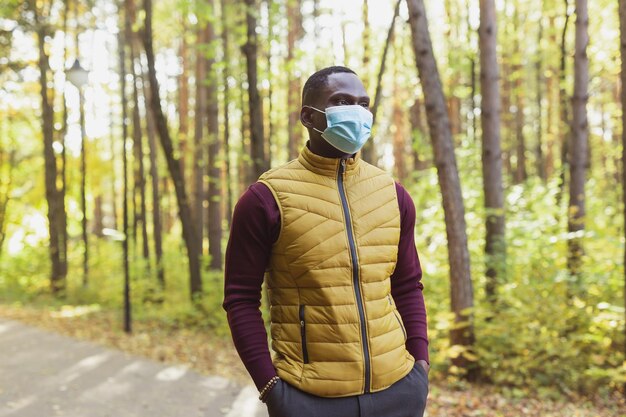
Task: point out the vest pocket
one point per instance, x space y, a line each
305 353
395 313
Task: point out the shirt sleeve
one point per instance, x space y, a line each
406 285
254 228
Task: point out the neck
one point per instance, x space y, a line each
322 148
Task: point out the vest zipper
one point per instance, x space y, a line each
355 272
305 353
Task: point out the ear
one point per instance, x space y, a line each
306 117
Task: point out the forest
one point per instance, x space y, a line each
129 129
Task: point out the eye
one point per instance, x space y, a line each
342 102
365 105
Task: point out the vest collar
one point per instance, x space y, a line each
327 166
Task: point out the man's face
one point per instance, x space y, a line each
341 89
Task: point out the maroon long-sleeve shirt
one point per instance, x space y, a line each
255 228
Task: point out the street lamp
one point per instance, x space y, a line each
79 77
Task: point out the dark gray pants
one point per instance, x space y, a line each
405 398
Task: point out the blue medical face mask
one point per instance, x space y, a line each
347 127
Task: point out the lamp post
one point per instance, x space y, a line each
79 77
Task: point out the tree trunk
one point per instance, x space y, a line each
367 33
520 168
246 172
622 27
579 138
564 130
225 82
368 151
518 88
189 232
83 188
183 96
255 104
127 302
98 216
55 212
63 236
495 249
539 80
113 189
271 23
461 292
507 120
156 198
319 59
139 218
399 135
6 183
199 154
379 79
552 117
470 40
294 33
418 134
214 172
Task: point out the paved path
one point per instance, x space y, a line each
43 374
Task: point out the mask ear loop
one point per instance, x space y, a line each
316 109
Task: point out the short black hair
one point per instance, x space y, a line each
319 79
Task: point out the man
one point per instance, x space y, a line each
336 236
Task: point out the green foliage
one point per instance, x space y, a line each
547 333
24 278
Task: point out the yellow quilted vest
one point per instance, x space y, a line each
334 326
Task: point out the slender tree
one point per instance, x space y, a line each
214 216
139 188
368 152
418 133
83 188
127 301
56 213
564 130
7 165
199 154
399 124
226 102
471 57
255 105
579 138
189 232
367 50
183 92
622 27
294 33
154 177
383 61
539 88
271 6
495 252
63 235
461 291
113 138
520 174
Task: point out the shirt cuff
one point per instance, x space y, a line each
419 349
